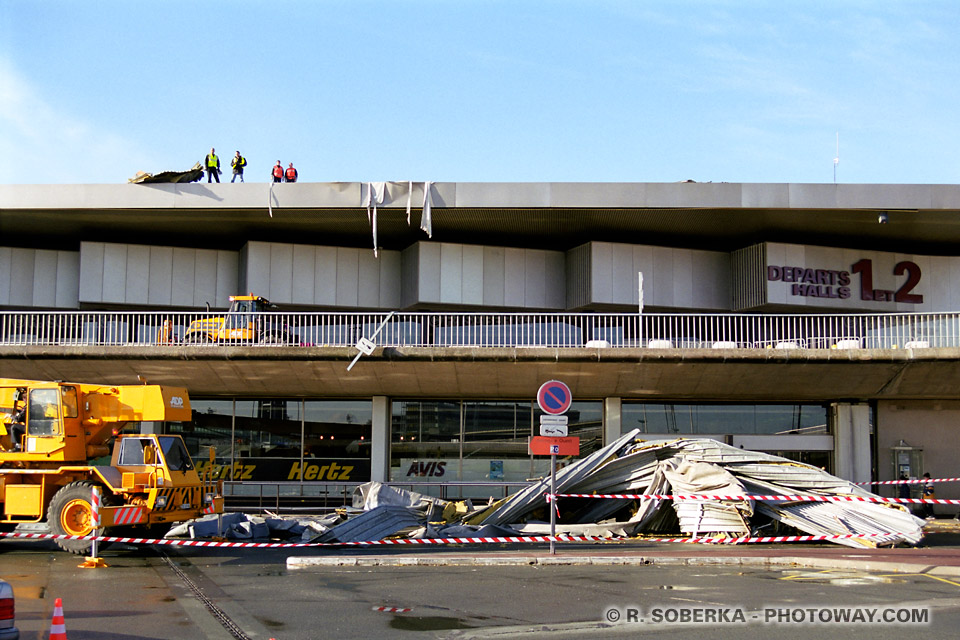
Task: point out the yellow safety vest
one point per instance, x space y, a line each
212 161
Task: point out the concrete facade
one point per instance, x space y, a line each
545 248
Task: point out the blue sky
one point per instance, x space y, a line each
461 90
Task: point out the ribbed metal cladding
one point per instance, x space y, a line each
749 285
578 277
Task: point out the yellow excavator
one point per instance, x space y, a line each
247 321
54 441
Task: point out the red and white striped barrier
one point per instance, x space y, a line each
697 496
392 609
919 481
129 515
442 541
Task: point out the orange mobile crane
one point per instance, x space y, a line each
52 432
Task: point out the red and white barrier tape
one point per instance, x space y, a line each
696 496
439 541
920 481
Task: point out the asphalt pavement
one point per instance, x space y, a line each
938 554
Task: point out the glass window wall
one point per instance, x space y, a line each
281 439
719 419
478 440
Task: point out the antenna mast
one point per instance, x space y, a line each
836 159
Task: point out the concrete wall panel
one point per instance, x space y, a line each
514 286
6 274
184 270
44 279
91 271
137 282
428 280
391 270
205 278
493 276
451 273
410 275
368 272
348 277
304 274
114 273
325 276
471 291
68 279
281 273
160 281
21 277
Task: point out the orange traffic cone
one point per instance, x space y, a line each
58 630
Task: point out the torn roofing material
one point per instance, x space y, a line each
191 175
707 467
376 524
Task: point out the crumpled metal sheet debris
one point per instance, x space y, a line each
703 466
378 523
629 465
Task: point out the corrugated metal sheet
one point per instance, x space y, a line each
704 466
749 277
376 524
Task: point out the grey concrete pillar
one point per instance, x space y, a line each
151 427
851 441
380 440
611 420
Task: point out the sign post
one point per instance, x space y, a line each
366 346
554 399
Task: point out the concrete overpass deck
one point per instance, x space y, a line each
754 375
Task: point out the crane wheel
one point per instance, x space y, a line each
70 513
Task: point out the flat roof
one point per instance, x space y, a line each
922 219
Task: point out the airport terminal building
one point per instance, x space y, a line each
415 321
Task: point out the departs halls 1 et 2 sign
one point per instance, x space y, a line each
848 279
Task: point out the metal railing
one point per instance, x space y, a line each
482 330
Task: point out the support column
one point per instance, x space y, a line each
611 420
151 427
380 440
851 441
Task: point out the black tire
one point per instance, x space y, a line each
197 338
69 514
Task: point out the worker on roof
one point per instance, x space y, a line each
277 172
238 163
212 165
291 174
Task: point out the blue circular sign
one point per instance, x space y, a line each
554 397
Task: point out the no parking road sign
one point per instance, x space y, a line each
554 397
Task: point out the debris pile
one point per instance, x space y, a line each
682 466
191 175
703 466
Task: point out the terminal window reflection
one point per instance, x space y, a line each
715 419
478 440
281 439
